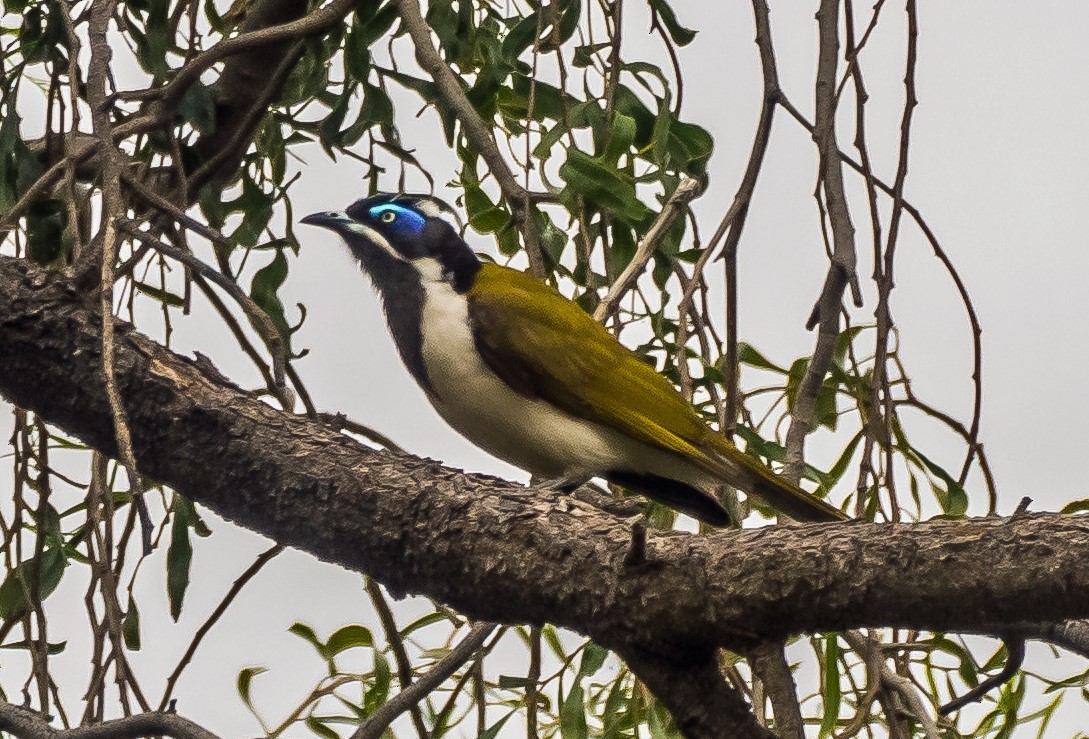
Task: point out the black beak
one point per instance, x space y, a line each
326 219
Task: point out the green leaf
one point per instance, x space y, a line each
245 679
163 296
620 139
750 355
308 634
690 146
53 647
584 55
256 208
378 693
832 692
348 637
681 36
493 731
263 289
829 479
953 499
45 230
357 57
179 556
198 108
825 408
520 37
377 24
19 582
316 726
484 216
421 622
603 185
130 627
593 657
377 106
1077 506
552 639
515 682
573 715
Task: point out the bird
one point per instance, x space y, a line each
527 375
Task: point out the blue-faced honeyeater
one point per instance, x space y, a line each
527 375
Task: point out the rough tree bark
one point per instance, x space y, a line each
498 551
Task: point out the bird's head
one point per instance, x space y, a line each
388 233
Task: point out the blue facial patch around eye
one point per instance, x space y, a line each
405 221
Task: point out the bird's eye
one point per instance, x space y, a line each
388 216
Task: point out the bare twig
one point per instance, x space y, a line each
413 694
733 223
672 210
958 282
1015 657
869 651
274 341
842 270
397 646
198 636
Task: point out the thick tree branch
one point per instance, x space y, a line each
26 724
501 552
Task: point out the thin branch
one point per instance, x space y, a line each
198 636
313 22
478 133
958 282
397 646
673 209
841 272
769 663
260 320
733 223
1015 657
409 696
869 650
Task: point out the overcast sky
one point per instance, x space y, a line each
998 167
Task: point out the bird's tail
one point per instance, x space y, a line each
749 475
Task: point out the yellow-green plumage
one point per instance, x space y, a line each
545 346
525 374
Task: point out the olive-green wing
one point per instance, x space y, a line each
545 346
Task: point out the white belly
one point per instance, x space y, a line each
528 433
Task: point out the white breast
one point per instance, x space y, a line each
528 433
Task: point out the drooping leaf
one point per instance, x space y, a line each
573 714
130 627
179 557
44 573
245 681
347 637
264 291
681 36
378 693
